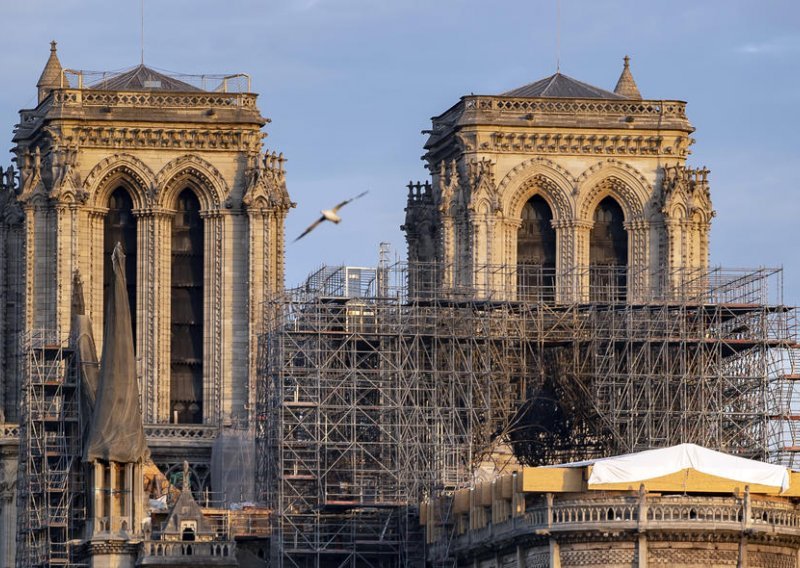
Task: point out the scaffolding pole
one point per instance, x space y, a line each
51 495
371 402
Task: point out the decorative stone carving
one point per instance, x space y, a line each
121 166
213 189
480 178
615 187
449 184
10 210
687 189
30 173
183 138
265 186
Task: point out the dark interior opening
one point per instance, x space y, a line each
120 227
608 253
536 252
186 362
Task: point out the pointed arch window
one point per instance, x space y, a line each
608 253
186 359
119 226
536 252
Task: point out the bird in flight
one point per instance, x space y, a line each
329 215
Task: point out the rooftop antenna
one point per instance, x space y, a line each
558 36
141 19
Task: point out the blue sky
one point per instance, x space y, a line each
349 85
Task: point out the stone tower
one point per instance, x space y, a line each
563 188
172 168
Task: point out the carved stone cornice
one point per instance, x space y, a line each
585 144
121 137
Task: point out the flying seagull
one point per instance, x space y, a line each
329 215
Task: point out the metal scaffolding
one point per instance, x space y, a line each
51 487
370 402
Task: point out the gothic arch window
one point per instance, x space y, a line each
186 358
119 226
608 253
536 252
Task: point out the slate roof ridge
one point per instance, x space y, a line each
560 85
143 78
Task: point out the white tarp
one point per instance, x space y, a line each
656 463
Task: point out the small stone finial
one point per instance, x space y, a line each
626 86
51 74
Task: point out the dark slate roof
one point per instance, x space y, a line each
143 78
559 85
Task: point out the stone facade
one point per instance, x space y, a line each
81 144
573 145
150 139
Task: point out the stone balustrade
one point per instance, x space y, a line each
638 514
164 548
670 109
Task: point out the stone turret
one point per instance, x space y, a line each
51 74
626 86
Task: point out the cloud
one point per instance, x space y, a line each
776 46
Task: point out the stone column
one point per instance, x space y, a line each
93 272
510 260
447 258
638 281
66 238
259 229
572 260
160 289
214 266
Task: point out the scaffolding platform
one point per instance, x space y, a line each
411 388
51 501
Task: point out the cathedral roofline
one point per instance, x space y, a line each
143 78
561 86
623 115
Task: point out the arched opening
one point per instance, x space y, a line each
536 252
119 226
186 361
188 534
608 253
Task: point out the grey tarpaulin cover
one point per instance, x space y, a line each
116 432
83 341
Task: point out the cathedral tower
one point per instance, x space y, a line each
563 188
172 167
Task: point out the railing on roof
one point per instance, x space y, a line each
423 281
672 109
213 83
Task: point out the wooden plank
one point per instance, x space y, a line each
553 479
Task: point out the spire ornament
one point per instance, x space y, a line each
626 86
